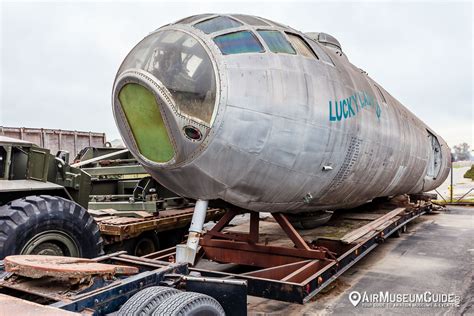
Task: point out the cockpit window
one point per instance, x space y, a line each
300 45
319 51
276 42
183 66
250 20
217 24
238 42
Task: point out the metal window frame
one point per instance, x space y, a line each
241 31
315 56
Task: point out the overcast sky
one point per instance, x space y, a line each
58 61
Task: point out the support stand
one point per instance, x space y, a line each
241 248
187 253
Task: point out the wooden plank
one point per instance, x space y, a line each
372 226
128 227
361 216
10 305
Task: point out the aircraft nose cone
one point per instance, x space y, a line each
164 99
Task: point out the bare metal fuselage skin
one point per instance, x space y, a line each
288 133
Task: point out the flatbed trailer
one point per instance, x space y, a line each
233 264
343 241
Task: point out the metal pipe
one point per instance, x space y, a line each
8 162
436 190
452 188
199 216
462 197
88 161
187 253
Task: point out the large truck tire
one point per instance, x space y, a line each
48 225
189 304
146 301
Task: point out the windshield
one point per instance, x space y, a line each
180 62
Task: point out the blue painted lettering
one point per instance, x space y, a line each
331 117
349 107
339 111
344 105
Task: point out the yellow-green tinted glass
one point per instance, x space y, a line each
146 123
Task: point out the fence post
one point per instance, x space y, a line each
452 188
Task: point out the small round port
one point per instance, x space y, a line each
192 132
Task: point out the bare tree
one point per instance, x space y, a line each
461 152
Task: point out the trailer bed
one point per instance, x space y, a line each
349 235
116 226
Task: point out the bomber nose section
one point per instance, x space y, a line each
164 97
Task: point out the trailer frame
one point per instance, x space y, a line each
301 280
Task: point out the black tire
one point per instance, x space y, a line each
171 238
309 220
139 246
25 221
146 301
404 229
189 304
144 244
397 233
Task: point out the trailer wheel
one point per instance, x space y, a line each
141 245
404 229
146 301
399 231
170 238
189 304
47 225
309 220
146 243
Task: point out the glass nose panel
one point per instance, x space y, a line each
180 62
146 123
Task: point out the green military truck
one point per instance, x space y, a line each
43 204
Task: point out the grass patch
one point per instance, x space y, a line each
470 173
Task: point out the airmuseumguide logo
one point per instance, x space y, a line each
344 109
397 300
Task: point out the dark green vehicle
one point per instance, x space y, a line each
43 204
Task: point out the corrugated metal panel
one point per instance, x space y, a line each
56 139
